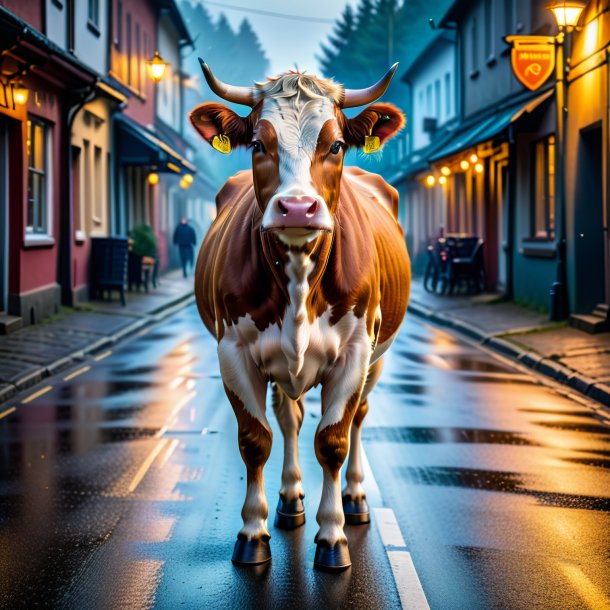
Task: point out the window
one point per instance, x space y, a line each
447 94
474 48
428 99
38 141
543 208
93 12
129 58
119 26
489 30
138 60
509 16
437 100
99 187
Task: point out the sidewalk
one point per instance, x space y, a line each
35 352
569 356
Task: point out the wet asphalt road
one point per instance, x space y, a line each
122 486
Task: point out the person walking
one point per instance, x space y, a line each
185 239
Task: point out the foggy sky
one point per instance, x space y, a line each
286 42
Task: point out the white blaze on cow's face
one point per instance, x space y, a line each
289 131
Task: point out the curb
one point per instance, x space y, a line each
531 359
50 369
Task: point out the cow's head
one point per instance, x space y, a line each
298 134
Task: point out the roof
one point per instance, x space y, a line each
138 145
441 36
455 12
171 8
483 129
22 32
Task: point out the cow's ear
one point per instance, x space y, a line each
381 120
213 119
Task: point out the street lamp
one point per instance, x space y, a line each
567 14
156 67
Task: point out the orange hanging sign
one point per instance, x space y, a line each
532 58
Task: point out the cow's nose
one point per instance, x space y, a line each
297 210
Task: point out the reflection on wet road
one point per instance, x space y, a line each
122 486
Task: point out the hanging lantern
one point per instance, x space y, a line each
445 170
153 179
20 94
442 180
156 67
464 164
430 180
478 168
473 158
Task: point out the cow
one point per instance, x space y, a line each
303 279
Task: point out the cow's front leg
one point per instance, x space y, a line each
340 399
246 388
290 511
355 505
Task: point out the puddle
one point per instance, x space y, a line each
446 435
504 482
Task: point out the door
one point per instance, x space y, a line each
588 222
502 207
4 177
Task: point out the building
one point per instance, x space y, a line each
431 114
480 162
89 145
82 30
150 151
586 162
42 86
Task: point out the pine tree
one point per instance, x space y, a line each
253 64
338 46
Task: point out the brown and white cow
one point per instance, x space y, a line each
303 279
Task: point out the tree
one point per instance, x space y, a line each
338 45
252 62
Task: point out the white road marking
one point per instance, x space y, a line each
410 591
389 530
35 395
101 357
408 585
78 372
8 412
146 465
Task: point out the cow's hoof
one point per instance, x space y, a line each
356 511
290 514
251 552
332 558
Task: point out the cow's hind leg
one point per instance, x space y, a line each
246 388
355 506
290 511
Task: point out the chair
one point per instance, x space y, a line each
466 264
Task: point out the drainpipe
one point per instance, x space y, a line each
511 211
66 234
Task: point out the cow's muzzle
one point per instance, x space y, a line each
297 214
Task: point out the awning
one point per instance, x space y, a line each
488 128
137 145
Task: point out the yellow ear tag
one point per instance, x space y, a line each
222 144
371 144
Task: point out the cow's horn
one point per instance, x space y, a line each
361 97
231 93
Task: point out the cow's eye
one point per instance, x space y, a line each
257 146
336 147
